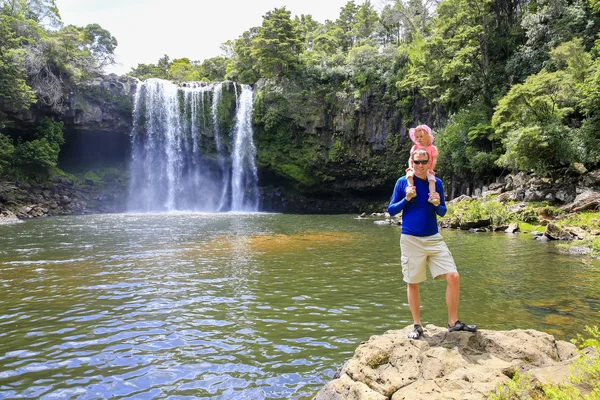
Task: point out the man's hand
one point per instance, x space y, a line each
410 193
434 198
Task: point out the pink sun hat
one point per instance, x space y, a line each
423 127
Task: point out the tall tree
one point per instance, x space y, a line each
347 22
278 44
366 23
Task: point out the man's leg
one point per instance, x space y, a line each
452 296
414 301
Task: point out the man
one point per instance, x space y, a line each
422 245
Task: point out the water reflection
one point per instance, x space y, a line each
243 305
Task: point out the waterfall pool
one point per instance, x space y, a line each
244 305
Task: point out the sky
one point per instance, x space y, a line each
148 29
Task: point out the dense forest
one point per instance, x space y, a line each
507 85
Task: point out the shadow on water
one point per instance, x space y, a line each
261 306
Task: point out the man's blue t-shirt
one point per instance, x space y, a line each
418 215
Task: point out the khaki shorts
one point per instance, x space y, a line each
419 252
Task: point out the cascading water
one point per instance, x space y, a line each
244 174
192 148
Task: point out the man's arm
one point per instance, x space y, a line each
441 208
398 201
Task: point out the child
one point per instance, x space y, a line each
423 139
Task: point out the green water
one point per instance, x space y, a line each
254 306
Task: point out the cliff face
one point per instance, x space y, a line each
98 124
324 143
102 105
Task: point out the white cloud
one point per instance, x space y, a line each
148 29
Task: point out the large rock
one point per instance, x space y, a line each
553 232
587 200
517 181
443 365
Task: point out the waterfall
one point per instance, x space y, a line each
244 180
192 148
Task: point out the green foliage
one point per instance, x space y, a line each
182 70
468 146
337 152
587 220
15 94
531 119
476 210
278 44
41 154
7 150
214 69
244 66
519 387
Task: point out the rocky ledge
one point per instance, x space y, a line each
443 365
21 200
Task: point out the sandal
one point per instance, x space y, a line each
461 326
416 332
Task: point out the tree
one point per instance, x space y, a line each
146 71
181 70
100 44
366 22
347 21
15 93
546 24
215 68
531 121
43 12
244 66
278 44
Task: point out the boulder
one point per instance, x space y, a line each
553 232
535 195
591 179
587 200
513 195
513 227
496 186
577 232
444 365
489 193
516 181
577 168
482 223
460 198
